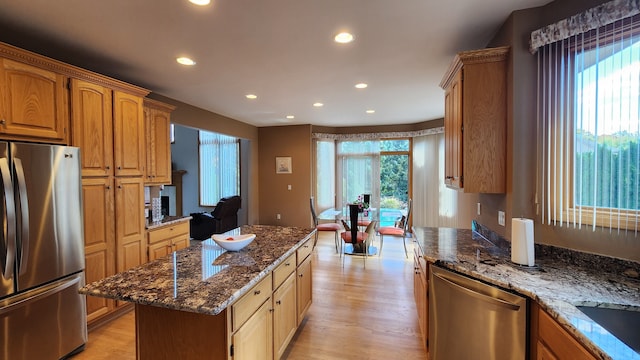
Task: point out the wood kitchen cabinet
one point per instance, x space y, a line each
167 239
130 229
92 126
128 134
99 239
33 101
252 323
304 286
157 132
420 292
285 315
550 341
475 121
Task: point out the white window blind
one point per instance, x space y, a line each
219 167
588 123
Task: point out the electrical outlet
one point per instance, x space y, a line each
478 208
501 218
277 216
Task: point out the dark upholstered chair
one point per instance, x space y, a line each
223 218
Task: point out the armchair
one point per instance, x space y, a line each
223 218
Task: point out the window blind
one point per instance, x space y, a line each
588 124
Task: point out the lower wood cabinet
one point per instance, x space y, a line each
285 316
254 339
550 341
420 293
167 239
304 273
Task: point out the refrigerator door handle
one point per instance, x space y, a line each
24 215
10 212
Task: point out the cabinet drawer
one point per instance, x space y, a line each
168 232
304 251
283 270
242 309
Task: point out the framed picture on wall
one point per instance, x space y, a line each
283 164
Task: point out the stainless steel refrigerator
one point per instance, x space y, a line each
42 315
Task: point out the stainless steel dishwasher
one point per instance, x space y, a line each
469 319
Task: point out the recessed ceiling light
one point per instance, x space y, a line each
370 111
318 104
200 2
361 86
251 96
343 38
185 61
290 117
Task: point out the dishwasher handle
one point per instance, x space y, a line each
489 299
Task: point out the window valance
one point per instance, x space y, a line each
593 18
376 136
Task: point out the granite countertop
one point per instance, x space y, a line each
166 221
559 282
203 278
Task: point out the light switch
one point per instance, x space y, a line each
288 187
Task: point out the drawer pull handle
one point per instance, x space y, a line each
257 292
287 264
278 302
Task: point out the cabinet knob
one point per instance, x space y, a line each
257 292
108 167
3 122
119 167
108 187
301 275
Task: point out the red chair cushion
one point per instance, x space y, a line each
346 236
364 222
329 227
391 230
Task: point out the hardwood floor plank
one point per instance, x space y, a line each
357 312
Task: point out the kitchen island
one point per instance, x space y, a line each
561 280
196 302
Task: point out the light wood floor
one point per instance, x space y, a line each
356 313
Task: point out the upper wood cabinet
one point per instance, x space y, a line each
475 121
92 126
128 134
157 129
33 103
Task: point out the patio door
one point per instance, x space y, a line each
358 171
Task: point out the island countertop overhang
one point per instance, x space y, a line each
204 278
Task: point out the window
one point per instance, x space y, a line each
219 167
588 106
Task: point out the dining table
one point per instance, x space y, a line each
337 215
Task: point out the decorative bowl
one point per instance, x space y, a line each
233 242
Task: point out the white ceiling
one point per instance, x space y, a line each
280 50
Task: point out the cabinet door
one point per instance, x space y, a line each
92 126
158 125
34 103
284 315
98 239
180 243
128 136
130 235
160 249
254 339
453 133
304 288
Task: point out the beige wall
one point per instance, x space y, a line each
275 198
521 145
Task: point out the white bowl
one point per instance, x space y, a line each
233 242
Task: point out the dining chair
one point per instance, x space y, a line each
400 229
332 226
364 238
